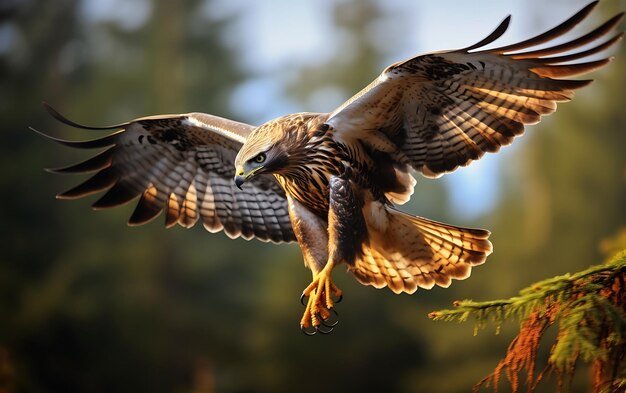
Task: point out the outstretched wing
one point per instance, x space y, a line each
442 110
183 164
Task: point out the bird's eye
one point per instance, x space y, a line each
260 158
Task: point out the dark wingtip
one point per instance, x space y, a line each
588 8
119 194
54 113
551 34
88 144
99 182
145 211
494 35
51 111
97 162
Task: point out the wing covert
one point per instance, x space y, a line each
183 165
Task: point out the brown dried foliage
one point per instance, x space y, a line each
522 352
609 360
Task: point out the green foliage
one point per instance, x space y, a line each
589 309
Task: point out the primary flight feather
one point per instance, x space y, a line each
336 178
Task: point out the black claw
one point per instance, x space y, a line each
330 330
329 324
339 300
302 297
309 332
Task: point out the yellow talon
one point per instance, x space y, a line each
320 293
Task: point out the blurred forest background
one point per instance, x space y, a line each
90 305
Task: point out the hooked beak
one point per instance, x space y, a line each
240 177
239 180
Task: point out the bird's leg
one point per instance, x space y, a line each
312 234
346 233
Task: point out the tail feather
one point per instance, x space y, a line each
406 252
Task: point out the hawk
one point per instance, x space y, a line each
333 181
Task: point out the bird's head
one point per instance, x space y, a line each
262 153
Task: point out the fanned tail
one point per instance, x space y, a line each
405 252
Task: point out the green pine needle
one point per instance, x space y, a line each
589 308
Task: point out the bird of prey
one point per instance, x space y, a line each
333 181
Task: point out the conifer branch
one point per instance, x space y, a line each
589 309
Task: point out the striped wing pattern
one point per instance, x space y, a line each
444 110
420 254
183 165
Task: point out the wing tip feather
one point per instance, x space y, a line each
548 35
105 141
494 35
58 116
